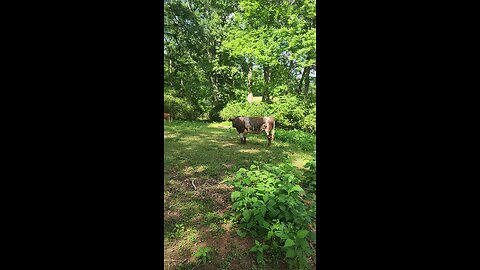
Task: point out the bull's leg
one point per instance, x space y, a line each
269 137
241 138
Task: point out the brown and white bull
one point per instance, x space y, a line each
257 125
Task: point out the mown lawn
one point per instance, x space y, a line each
197 157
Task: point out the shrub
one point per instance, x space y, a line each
179 108
309 121
268 203
288 111
235 109
304 140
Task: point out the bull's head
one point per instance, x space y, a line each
234 120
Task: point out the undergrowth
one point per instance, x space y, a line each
270 204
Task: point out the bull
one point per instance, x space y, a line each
167 116
256 125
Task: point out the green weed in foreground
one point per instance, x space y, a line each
269 204
204 254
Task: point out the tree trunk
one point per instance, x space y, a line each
266 76
249 78
299 89
215 88
170 70
307 82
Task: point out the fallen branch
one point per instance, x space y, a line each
175 260
194 185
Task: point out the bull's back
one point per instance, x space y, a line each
258 124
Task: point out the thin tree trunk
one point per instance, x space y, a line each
170 71
307 82
299 89
215 88
266 76
249 78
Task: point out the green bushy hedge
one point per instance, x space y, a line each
235 109
180 108
290 112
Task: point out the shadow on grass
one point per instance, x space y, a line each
196 159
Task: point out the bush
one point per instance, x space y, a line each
179 108
235 109
310 180
289 112
268 203
309 122
304 140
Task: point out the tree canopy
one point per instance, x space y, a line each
216 52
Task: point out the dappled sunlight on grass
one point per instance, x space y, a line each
252 151
204 153
191 170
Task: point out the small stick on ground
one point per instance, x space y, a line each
175 260
194 185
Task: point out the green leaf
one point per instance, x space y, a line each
235 194
304 245
241 233
289 243
290 253
302 233
269 235
246 214
298 188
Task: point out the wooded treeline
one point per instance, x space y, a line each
216 52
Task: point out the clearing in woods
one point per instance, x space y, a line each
200 154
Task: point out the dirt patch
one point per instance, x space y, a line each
230 244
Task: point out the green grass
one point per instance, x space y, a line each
205 153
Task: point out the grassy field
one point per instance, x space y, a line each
197 157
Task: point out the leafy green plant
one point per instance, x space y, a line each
259 248
204 254
310 175
179 229
268 203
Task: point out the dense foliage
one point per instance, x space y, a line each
270 205
217 52
289 112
